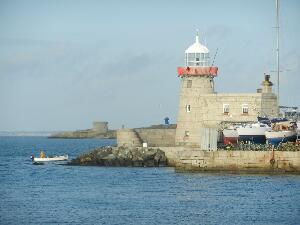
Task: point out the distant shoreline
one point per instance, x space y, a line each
46 136
26 133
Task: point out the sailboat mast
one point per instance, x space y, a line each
277 50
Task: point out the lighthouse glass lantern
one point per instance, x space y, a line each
197 62
197 54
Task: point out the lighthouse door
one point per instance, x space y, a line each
209 138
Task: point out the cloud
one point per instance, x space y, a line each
291 62
29 42
218 32
127 65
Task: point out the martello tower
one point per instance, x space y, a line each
197 78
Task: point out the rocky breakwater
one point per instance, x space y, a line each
121 156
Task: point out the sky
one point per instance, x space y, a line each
65 64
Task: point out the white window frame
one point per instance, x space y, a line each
226 108
186 133
188 108
245 108
197 59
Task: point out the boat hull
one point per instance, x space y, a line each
259 139
230 136
276 137
50 159
253 133
230 140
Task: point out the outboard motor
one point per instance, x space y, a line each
32 157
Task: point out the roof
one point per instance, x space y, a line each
197 47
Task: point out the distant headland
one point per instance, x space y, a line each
99 130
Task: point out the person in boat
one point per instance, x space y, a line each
42 154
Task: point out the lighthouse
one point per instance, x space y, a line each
197 79
202 112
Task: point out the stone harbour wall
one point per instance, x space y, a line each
238 161
154 137
128 138
157 137
186 159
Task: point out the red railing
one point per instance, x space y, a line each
198 71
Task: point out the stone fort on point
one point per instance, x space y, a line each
202 112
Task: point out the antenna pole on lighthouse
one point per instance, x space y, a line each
277 50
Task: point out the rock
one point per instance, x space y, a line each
115 151
109 157
160 158
120 156
149 154
102 152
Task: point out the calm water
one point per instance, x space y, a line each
55 194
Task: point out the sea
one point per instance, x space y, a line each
61 194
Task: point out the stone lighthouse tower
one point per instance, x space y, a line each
197 81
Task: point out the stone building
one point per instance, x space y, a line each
100 127
202 110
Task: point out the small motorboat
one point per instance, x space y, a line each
41 160
282 132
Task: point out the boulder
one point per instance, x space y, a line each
121 156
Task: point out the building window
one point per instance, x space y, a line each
186 135
189 84
188 108
245 108
226 108
211 83
197 59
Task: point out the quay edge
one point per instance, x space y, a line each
186 159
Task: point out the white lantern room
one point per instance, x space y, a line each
197 55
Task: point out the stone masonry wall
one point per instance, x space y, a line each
153 137
157 137
239 161
206 109
269 105
128 138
